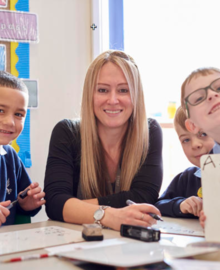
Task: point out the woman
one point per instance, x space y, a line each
110 155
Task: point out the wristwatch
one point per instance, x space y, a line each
99 214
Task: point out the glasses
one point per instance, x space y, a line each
199 95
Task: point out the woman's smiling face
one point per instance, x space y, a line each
112 101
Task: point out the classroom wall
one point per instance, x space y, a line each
59 62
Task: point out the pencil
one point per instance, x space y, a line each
129 202
30 257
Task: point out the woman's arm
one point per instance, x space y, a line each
113 218
146 184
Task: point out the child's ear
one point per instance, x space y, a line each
190 126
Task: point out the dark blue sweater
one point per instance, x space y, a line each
13 179
183 186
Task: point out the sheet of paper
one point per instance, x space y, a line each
210 168
133 253
87 245
193 265
181 226
18 241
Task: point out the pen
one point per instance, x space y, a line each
30 257
129 202
22 195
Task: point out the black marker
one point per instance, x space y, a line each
22 195
129 202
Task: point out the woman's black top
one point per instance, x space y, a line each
63 170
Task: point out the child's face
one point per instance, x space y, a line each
194 146
206 115
13 108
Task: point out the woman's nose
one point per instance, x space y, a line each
113 98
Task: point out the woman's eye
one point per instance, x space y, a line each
123 90
1 111
185 140
102 90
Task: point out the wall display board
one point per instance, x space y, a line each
21 28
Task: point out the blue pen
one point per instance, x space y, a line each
129 202
22 195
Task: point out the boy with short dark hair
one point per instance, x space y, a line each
183 196
13 176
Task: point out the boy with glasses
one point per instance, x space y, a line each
200 98
183 197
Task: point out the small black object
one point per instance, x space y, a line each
24 193
92 237
146 234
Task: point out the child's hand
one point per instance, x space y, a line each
34 198
202 219
4 212
192 205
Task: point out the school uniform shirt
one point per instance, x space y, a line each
183 186
62 177
13 179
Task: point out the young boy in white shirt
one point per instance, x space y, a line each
13 176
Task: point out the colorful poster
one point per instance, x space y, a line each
18 26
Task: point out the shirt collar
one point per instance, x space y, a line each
2 151
198 173
216 149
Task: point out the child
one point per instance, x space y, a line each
13 176
181 197
200 97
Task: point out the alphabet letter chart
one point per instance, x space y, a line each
210 167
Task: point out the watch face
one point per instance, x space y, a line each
98 215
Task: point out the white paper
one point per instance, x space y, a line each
180 226
88 245
193 264
18 241
210 168
133 253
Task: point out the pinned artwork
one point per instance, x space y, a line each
32 86
210 168
18 26
3 3
2 57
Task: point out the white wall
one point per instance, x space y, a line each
59 62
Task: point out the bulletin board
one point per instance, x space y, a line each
17 62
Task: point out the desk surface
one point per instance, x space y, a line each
57 263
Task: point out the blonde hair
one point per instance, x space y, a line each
196 73
180 118
93 172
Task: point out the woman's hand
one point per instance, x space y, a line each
136 214
192 205
4 212
202 219
34 198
